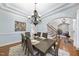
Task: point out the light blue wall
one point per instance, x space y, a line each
9 38
7 21
7 27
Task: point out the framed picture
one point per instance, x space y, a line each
20 26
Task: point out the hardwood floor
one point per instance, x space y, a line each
69 47
4 51
77 52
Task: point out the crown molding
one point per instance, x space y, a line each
55 9
23 12
60 9
12 9
2 7
18 11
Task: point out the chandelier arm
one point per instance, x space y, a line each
35 16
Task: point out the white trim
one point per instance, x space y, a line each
12 33
9 43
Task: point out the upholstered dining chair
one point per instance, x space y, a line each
23 40
39 34
27 34
29 46
30 49
54 51
44 35
57 44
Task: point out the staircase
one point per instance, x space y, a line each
51 30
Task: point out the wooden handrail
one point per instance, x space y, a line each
52 28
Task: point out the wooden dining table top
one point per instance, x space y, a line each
44 45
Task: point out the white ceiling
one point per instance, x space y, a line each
26 9
41 7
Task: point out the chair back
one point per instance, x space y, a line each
29 45
23 38
27 34
39 34
44 35
23 41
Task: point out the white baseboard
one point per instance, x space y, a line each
1 45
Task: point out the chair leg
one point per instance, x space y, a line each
26 50
22 46
37 54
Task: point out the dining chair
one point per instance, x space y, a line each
39 34
30 49
27 34
23 40
44 35
54 51
57 44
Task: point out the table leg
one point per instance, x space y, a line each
42 54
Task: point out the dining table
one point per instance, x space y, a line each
43 45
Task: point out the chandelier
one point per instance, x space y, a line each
35 17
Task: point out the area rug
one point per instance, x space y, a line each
18 51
